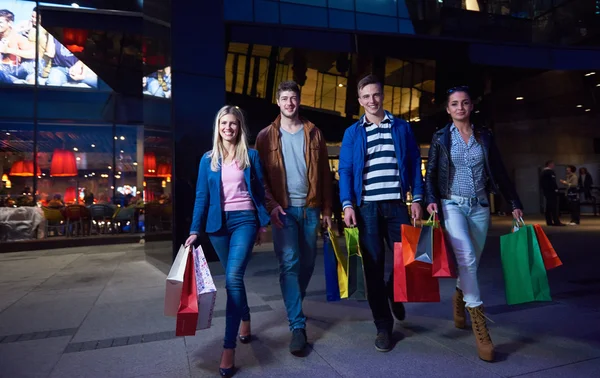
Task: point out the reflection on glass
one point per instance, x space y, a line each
158 83
16 165
57 65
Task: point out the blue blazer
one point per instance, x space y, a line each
208 211
354 151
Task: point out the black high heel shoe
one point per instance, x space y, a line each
245 339
227 372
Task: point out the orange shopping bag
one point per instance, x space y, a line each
413 280
551 259
187 314
443 264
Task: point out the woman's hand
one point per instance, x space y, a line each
517 214
191 240
260 236
432 208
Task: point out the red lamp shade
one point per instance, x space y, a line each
63 164
163 170
150 164
24 168
74 36
70 194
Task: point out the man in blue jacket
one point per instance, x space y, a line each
380 162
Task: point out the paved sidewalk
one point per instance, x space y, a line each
97 312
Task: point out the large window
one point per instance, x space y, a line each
79 157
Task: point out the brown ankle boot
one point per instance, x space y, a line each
485 348
458 304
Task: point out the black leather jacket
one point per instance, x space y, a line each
437 179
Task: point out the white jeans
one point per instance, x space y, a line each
466 221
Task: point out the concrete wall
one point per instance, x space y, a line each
527 144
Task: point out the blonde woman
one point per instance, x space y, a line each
230 209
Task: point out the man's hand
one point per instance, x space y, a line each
432 208
76 71
327 221
275 221
517 214
416 211
349 217
191 240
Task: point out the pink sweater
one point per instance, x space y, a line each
235 194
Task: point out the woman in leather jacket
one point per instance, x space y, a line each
464 167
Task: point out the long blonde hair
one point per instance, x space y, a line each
218 152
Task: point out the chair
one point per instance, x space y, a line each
125 214
54 220
76 215
101 216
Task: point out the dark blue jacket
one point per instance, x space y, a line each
354 152
208 211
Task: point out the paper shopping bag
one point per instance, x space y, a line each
174 282
443 262
549 255
342 267
206 289
413 280
357 283
525 276
331 265
187 314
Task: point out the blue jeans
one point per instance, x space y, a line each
296 248
233 244
60 76
466 221
379 223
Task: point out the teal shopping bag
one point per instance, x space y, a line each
524 272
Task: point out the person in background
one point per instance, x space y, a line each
298 190
56 202
585 183
68 69
88 197
230 208
550 192
571 183
464 166
14 49
46 47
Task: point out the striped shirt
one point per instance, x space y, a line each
381 178
467 171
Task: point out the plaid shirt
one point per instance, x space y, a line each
467 169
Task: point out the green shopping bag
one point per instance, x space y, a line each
525 276
356 282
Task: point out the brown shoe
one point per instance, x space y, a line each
458 304
485 348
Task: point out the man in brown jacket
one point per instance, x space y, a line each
298 189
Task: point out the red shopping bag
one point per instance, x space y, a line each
187 314
551 259
443 264
413 280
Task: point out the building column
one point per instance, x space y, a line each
198 66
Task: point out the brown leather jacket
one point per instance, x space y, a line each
268 144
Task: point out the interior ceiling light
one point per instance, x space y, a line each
519 98
588 110
590 73
580 106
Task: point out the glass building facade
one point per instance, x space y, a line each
85 127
